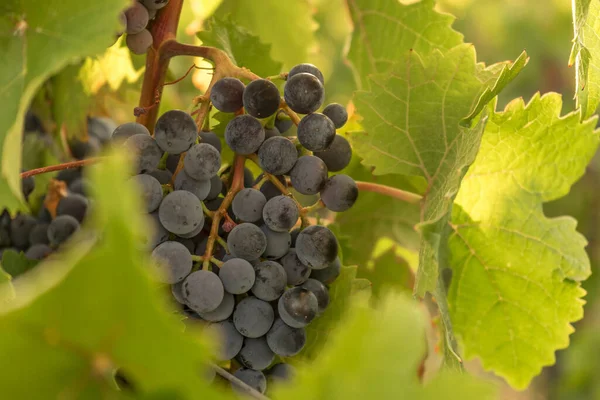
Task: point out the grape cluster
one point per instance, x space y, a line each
135 20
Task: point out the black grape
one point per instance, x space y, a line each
193 233
271 132
81 149
199 188
270 190
61 228
222 312
284 340
39 234
156 235
309 175
226 95
202 161
150 190
177 291
337 114
253 317
175 131
237 275
278 243
283 123
340 193
309 68
255 379
255 354
147 151
173 262
216 185
247 241
231 340
277 155
163 176
188 243
281 372
210 138
270 281
338 155
248 205
154 4
261 98
316 132
294 234
101 128
137 18
316 247
303 93
20 228
244 134
280 213
320 291
127 130
328 274
75 205
173 162
296 272
69 175
80 186
140 42
38 252
27 186
203 291
180 212
298 307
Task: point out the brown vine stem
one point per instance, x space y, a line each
293 116
389 191
60 167
237 184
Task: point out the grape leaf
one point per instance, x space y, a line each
244 48
70 104
290 42
379 352
586 55
15 263
90 309
516 273
38 39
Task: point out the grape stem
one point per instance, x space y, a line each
237 184
389 191
238 383
60 167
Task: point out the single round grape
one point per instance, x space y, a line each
147 151
27 186
210 138
75 205
248 205
222 312
101 128
284 340
61 228
283 122
203 291
316 247
247 241
280 213
202 161
253 317
37 235
261 98
38 252
255 379
316 132
231 340
154 4
255 354
309 175
296 272
278 243
337 114
320 291
244 134
137 18
69 175
216 185
271 132
298 307
177 291
277 155
270 281
157 233
163 176
303 93
199 188
226 95
180 212
140 42
192 234
80 186
81 149
237 275
150 190
270 190
340 193
281 372
328 274
309 68
338 155
175 131
20 229
173 262
127 130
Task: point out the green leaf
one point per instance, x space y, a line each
269 21
40 38
71 105
375 354
90 308
515 287
586 55
385 31
244 48
15 263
